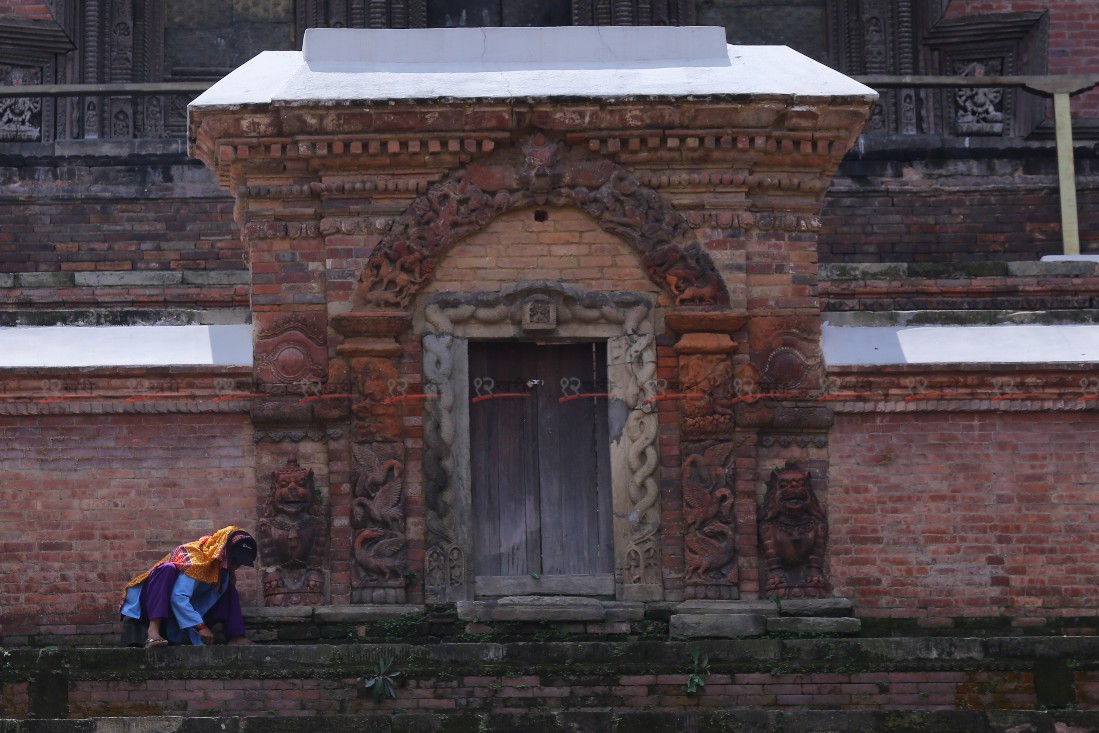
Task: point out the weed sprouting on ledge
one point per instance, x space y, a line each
382 685
700 667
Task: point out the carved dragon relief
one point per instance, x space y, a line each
470 198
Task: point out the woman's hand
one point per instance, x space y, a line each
205 634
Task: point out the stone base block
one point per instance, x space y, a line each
813 625
815 607
718 625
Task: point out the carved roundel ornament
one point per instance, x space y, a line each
291 349
785 368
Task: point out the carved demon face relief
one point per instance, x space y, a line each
292 532
293 490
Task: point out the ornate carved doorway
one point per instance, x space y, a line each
540 469
615 333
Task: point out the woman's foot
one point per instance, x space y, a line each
155 641
240 641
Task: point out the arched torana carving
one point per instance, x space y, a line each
546 174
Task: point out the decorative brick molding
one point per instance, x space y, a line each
128 390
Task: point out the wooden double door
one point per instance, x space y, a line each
540 469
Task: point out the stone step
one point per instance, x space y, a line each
858 675
772 721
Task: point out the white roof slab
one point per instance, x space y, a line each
346 64
106 346
1004 344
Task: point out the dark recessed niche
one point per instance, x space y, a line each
541 215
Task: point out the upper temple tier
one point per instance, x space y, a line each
344 65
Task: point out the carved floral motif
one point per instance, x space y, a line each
293 532
794 532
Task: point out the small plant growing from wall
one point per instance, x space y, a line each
382 685
700 667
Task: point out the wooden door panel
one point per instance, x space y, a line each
539 464
574 468
503 461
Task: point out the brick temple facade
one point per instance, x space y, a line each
368 246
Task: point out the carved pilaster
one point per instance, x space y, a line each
380 569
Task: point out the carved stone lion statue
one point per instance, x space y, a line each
794 532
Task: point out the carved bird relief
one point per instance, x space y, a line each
710 552
705 502
379 552
378 487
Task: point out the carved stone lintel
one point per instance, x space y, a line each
794 534
293 532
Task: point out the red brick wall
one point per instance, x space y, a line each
166 252
884 219
91 500
965 515
1073 36
567 246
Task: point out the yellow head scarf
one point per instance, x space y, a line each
203 559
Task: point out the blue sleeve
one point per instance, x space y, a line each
184 611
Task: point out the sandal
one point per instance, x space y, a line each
152 643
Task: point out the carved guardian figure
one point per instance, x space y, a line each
794 532
292 534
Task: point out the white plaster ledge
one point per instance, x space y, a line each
105 346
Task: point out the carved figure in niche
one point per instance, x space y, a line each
794 531
688 274
979 109
20 117
378 519
708 509
377 418
708 378
293 531
541 171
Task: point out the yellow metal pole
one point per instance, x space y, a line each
1066 174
